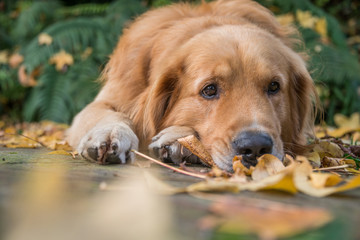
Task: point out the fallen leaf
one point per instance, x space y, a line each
304 183
238 167
4 57
286 19
60 152
326 148
351 122
321 180
27 80
194 145
266 219
15 60
267 165
44 39
314 159
321 27
61 60
305 19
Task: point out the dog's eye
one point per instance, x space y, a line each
273 88
209 91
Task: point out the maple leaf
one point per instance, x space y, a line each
61 60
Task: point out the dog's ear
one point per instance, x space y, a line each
160 97
304 102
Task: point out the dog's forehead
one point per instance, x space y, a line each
237 52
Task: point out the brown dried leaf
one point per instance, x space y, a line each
194 145
268 220
61 60
25 79
15 60
44 39
326 148
267 165
304 181
239 168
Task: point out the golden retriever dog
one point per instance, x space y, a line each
224 71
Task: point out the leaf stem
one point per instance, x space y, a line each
332 168
168 166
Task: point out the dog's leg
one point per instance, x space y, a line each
101 134
165 146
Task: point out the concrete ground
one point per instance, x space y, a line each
51 196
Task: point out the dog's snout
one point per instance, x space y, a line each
251 145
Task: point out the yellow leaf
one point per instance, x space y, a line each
61 59
304 183
344 122
305 19
342 131
286 19
285 184
4 57
60 152
212 185
321 180
44 39
22 145
321 27
10 130
267 165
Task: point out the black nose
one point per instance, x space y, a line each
251 145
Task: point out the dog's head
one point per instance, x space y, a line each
241 89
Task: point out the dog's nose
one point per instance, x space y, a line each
251 145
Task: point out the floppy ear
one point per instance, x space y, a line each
304 101
159 98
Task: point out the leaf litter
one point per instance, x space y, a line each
334 155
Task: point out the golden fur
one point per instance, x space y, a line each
162 62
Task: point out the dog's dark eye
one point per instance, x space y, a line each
273 88
209 91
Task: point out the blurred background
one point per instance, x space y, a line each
52 52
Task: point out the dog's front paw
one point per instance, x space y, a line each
165 146
110 143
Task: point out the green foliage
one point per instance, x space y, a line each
333 64
89 31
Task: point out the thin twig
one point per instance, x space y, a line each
19 134
332 168
168 166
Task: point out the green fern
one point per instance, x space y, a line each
34 18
